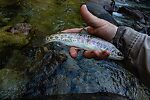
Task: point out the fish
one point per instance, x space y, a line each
86 42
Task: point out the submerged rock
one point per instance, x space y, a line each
21 28
98 8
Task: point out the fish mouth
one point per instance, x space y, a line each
116 57
119 58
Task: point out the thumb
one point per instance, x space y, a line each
90 19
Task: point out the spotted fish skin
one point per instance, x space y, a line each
86 42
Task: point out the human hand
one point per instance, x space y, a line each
98 27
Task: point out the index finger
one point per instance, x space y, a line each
73 30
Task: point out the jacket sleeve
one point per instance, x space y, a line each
136 48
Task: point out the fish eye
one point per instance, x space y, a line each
119 54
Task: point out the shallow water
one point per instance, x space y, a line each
46 17
127 20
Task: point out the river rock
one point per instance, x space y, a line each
82 75
97 7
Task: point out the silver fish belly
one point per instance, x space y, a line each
86 42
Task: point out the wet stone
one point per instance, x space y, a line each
82 75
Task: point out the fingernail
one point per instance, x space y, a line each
97 53
73 55
106 53
83 4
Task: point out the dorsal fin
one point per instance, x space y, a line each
84 31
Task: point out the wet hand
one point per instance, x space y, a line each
98 27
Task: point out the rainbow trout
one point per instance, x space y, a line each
86 42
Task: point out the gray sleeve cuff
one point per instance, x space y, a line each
125 39
119 34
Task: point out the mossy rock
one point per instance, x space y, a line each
50 16
8 39
9 42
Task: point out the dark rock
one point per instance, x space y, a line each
145 29
135 14
110 8
82 75
81 96
96 7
